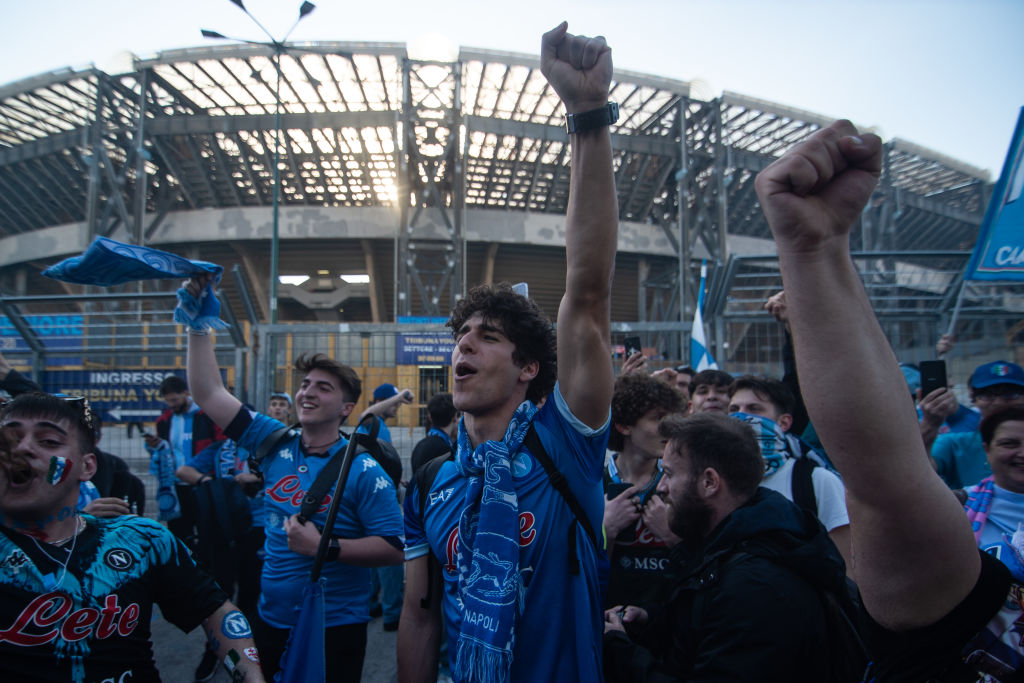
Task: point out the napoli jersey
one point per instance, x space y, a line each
369 507
91 622
558 635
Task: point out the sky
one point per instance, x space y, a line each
943 74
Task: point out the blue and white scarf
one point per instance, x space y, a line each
490 584
166 497
108 262
777 446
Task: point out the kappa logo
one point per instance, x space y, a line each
16 560
285 454
119 559
381 483
369 464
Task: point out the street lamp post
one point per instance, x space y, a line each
278 46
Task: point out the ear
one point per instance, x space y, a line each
88 469
710 483
625 430
785 421
529 371
346 409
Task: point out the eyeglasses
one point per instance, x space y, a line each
990 396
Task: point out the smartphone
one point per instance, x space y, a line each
933 376
615 489
632 345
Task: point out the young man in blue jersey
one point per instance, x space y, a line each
514 572
368 530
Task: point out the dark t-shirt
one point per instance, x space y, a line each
985 629
92 623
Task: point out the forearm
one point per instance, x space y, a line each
419 627
831 318
584 316
230 636
204 381
419 642
929 432
369 551
189 474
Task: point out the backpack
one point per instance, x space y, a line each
425 476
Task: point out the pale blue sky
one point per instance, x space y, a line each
942 74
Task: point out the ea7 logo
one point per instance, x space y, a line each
442 495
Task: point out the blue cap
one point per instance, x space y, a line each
384 391
282 394
997 372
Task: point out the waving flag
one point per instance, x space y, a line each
700 357
999 251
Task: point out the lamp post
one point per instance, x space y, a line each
278 46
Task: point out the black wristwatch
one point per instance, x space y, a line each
595 118
333 550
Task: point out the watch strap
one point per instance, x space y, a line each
583 121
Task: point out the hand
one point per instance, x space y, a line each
107 507
655 514
407 396
777 306
937 405
303 537
151 440
814 193
577 67
243 478
620 512
616 618
945 344
635 363
666 375
195 284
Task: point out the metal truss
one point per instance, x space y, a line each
365 126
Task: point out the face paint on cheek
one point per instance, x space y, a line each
59 470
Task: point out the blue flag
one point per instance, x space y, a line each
303 659
999 251
700 356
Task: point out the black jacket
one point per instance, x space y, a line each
746 605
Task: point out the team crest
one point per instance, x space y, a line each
521 465
236 626
119 559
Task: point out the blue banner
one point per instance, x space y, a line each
116 395
56 332
999 251
425 348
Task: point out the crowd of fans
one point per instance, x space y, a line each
814 527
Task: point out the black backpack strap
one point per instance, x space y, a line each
803 485
424 478
561 484
268 445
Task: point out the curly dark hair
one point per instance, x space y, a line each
348 380
522 321
635 394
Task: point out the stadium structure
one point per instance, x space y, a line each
400 182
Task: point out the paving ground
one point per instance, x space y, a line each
178 654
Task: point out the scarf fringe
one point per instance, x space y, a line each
478 663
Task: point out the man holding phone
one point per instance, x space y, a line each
635 520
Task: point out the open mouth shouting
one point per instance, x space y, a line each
463 370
